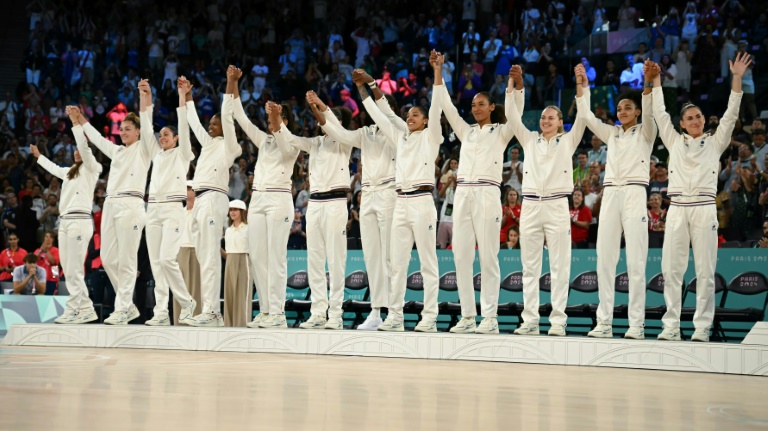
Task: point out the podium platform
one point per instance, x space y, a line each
744 359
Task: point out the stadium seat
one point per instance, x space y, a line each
749 284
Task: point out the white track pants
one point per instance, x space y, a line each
477 219
696 225
122 221
74 237
209 219
414 219
164 228
548 219
270 217
376 211
623 210
327 241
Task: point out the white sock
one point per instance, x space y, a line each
376 312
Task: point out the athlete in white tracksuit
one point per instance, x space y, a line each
165 211
270 216
326 218
377 156
219 150
76 225
624 206
547 182
694 161
415 216
477 203
123 216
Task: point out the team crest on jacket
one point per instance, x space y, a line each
135 227
714 227
644 220
344 232
286 220
430 227
79 238
210 222
176 230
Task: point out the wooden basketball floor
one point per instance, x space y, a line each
120 389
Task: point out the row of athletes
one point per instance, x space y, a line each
397 207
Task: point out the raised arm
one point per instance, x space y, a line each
80 140
600 129
93 135
387 127
194 123
256 135
360 78
48 165
514 116
663 120
283 135
728 121
441 97
184 88
515 94
148 143
227 113
333 127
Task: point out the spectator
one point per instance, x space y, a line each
763 241
470 42
448 69
581 217
581 171
513 170
10 258
598 153
297 240
656 219
512 241
510 213
761 149
627 15
669 82
671 28
10 212
628 79
447 189
659 184
596 174
731 171
29 278
491 49
48 259
683 56
353 222
287 61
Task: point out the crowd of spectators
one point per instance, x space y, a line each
92 55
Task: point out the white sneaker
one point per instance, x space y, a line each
276 321
314 322
69 316
635 333
700 334
670 333
527 329
258 320
557 330
602 330
186 317
122 317
392 324
158 320
466 325
426 325
335 323
489 325
86 315
371 323
209 319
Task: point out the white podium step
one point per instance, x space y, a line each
725 358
